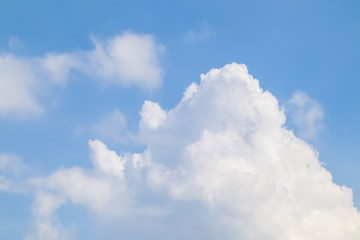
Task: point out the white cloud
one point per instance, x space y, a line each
129 59
57 67
106 160
125 60
102 189
307 114
45 225
11 163
152 115
18 87
11 170
224 148
97 188
190 91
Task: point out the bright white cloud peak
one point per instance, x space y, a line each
124 60
224 147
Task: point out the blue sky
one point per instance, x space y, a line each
60 86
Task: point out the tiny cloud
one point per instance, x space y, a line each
124 60
192 36
201 32
224 149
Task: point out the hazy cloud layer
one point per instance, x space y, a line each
124 60
221 163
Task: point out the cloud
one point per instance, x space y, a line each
129 59
105 160
222 162
12 169
103 190
11 163
97 188
152 116
201 32
307 115
192 36
125 60
45 225
226 146
17 87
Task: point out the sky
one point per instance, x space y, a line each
179 119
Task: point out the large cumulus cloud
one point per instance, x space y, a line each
224 149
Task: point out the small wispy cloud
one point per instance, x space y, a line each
193 36
201 32
15 43
12 169
307 115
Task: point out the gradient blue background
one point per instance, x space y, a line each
307 45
